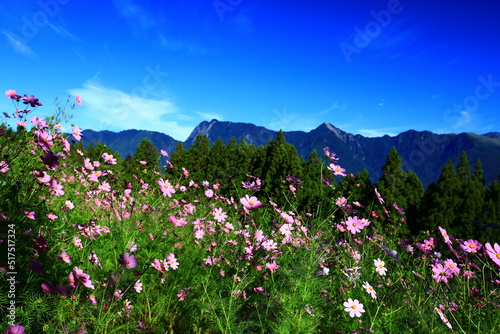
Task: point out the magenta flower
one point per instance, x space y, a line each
330 155
445 235
93 300
337 170
471 246
128 261
250 202
353 225
440 273
55 188
66 258
77 133
73 280
493 253
166 188
109 158
31 101
11 94
47 289
3 167
78 100
16 329
30 215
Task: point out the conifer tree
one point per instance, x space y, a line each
178 159
441 201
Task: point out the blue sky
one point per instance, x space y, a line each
367 67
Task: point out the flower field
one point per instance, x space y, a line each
86 251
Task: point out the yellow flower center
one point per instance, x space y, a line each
251 203
354 307
472 246
381 266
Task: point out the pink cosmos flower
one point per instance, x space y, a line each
164 153
219 215
77 133
493 252
341 202
199 234
11 94
272 266
172 261
471 246
337 170
451 267
286 229
78 100
30 215
69 204
440 273
370 290
381 200
445 235
380 267
353 225
93 300
47 289
52 216
269 245
128 261
109 158
287 218
16 329
55 188
3 167
250 202
209 193
354 308
166 188
66 258
138 286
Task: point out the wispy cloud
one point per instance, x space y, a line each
378 132
62 31
18 45
208 116
136 16
180 45
106 108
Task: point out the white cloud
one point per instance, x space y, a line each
376 132
208 116
106 108
18 45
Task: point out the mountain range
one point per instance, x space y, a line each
424 153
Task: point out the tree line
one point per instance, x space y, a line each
458 202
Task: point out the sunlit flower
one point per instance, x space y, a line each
493 252
471 246
380 267
354 308
370 290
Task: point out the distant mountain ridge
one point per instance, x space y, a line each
425 153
